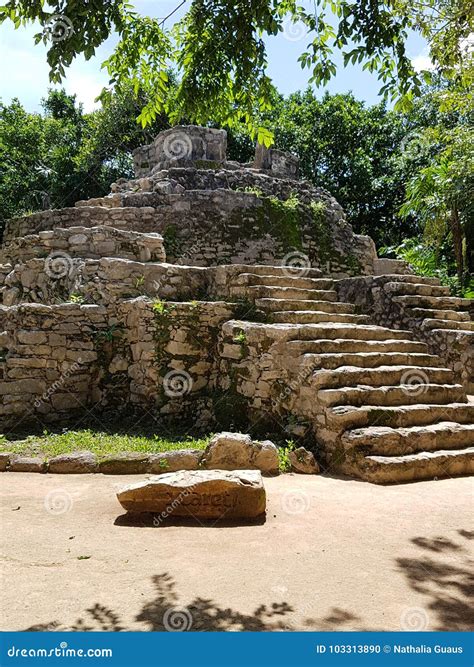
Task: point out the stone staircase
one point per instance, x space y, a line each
385 409
101 301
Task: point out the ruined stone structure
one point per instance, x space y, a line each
233 295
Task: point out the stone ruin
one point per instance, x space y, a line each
224 295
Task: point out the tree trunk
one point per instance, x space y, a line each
456 231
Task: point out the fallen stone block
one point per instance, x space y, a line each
203 494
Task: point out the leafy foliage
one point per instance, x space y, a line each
219 51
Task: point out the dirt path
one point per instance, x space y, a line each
332 554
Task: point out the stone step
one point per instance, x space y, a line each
273 305
270 292
344 345
279 270
423 465
414 378
387 441
436 302
346 331
412 279
390 396
428 313
447 324
110 201
416 289
285 281
371 359
314 317
349 416
324 331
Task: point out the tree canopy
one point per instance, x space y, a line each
219 51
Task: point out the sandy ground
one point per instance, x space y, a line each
331 555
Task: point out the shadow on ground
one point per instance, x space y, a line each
442 573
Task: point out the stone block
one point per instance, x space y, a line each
200 494
76 462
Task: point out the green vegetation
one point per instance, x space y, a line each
284 217
240 338
397 174
100 443
283 456
220 51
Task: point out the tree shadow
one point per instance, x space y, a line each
448 581
338 620
164 613
204 614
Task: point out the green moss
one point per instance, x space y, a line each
283 217
208 164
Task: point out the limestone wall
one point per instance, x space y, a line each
101 281
174 367
132 219
67 360
49 361
206 227
93 242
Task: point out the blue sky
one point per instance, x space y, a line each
25 72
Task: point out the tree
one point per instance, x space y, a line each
220 54
441 193
349 149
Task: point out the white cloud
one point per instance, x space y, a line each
25 73
422 62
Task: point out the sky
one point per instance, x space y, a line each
24 71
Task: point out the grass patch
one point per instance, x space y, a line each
99 442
